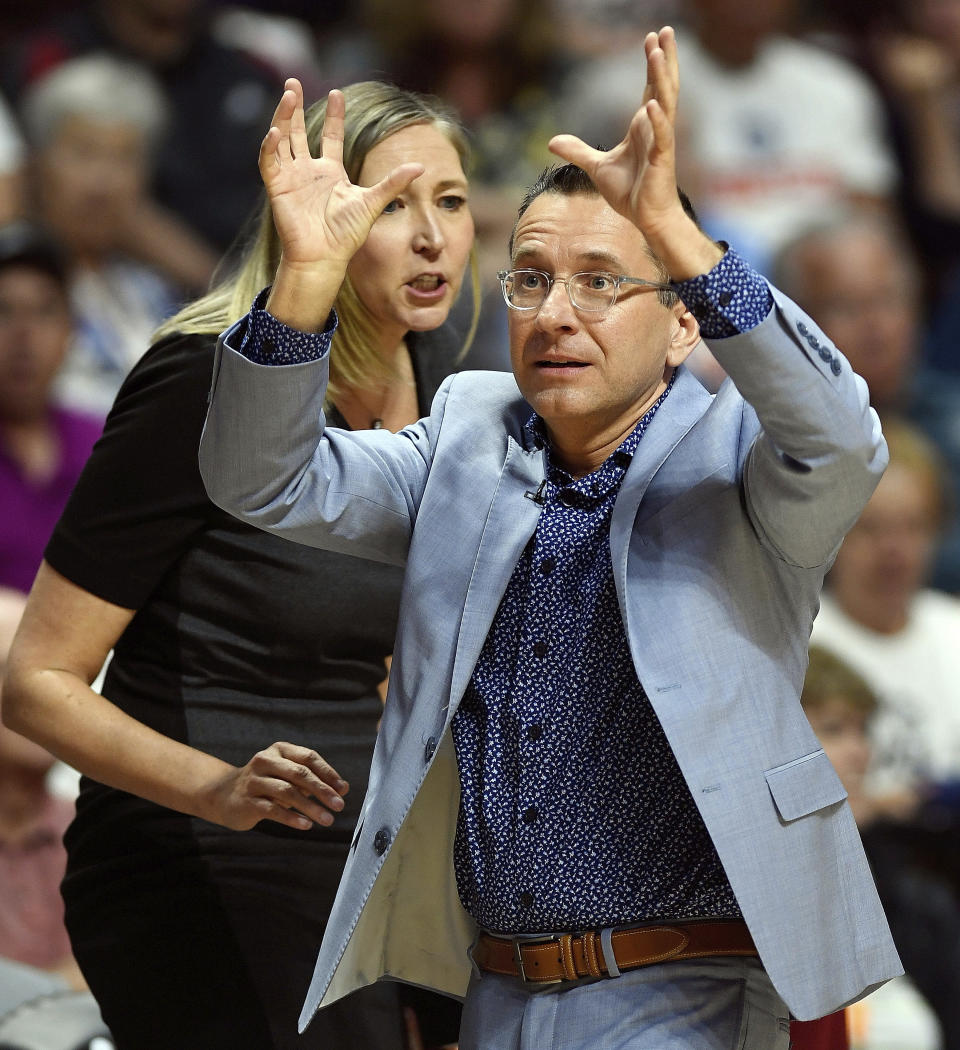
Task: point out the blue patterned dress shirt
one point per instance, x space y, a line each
573 813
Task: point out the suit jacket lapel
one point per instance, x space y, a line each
510 523
684 406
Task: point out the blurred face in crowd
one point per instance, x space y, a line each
732 31
35 331
937 19
841 728
411 266
863 295
158 31
886 556
91 177
468 23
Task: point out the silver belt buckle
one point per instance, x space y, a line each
518 959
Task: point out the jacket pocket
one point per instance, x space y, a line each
804 785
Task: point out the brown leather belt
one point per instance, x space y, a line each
568 957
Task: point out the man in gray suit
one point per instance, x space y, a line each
595 807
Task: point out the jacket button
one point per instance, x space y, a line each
825 354
381 840
430 749
835 366
802 328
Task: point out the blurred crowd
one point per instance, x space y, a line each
823 140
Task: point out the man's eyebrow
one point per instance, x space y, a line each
612 262
592 257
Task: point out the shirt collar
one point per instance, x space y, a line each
535 435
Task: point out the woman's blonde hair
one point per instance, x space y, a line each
374 111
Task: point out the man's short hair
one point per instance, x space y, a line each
568 180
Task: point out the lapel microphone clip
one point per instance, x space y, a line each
537 496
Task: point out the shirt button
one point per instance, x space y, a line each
269 346
540 649
569 497
429 750
622 459
547 566
530 814
526 899
724 298
534 732
381 840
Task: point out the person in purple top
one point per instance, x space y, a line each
42 447
42 450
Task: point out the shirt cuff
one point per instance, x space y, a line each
730 299
267 341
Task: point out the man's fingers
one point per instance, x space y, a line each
650 43
575 151
667 39
662 127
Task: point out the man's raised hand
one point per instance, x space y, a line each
638 177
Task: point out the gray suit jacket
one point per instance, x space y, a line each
728 517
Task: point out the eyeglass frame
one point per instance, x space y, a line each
617 278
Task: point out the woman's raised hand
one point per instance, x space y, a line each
321 217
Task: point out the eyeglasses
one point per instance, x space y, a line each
590 291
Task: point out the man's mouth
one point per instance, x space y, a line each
555 364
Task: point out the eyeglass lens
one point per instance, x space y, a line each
527 289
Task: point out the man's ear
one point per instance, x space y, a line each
684 337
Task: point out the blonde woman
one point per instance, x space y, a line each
210 833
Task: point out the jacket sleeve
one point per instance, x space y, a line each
267 458
818 452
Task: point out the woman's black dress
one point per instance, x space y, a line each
191 935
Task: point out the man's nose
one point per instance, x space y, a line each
556 310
